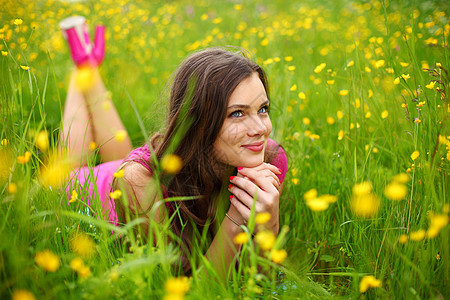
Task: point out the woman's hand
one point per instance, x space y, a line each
261 183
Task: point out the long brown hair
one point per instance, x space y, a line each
206 79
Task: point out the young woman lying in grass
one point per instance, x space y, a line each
217 132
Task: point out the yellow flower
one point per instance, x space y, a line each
76 264
12 188
350 63
395 191
119 174
319 68
85 78
415 155
171 163
288 58
367 69
306 121
317 204
278 256
22 295
265 239
56 172
74 197
397 80
362 188
330 120
23 159
343 92
384 114
311 194
406 76
241 238
437 222
330 82
18 21
340 114
84 271
26 68
368 282
366 205
262 218
83 245
4 142
47 261
430 85
302 95
120 135
177 286
401 178
291 68
116 194
403 64
403 239
295 181
368 115
329 198
238 7
340 135
5 53
293 87
417 235
42 141
92 146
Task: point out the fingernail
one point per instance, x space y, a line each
232 177
229 186
280 170
240 168
231 197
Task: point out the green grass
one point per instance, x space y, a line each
328 252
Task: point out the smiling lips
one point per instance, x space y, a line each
255 147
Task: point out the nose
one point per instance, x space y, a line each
256 127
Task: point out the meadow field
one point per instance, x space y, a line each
359 100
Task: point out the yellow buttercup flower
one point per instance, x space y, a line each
18 21
343 92
47 260
56 171
278 256
120 135
262 218
396 191
115 194
171 163
76 264
311 194
23 159
26 68
363 202
83 245
177 286
22 295
302 95
401 178
317 204
362 188
415 155
293 87
5 53
384 114
340 114
241 238
417 235
306 121
265 239
119 174
42 141
437 222
330 120
12 188
430 85
340 134
368 282
319 68
74 197
397 80
403 239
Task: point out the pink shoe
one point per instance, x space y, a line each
75 30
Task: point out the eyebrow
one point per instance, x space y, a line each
267 102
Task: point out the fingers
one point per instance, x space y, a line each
265 166
243 210
265 179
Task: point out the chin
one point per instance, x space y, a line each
252 162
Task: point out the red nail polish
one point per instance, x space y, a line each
229 186
240 168
232 177
231 197
280 170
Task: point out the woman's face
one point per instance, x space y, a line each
243 137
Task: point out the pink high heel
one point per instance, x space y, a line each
75 30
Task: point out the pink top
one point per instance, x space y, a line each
104 174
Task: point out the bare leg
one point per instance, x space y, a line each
91 117
77 130
106 122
